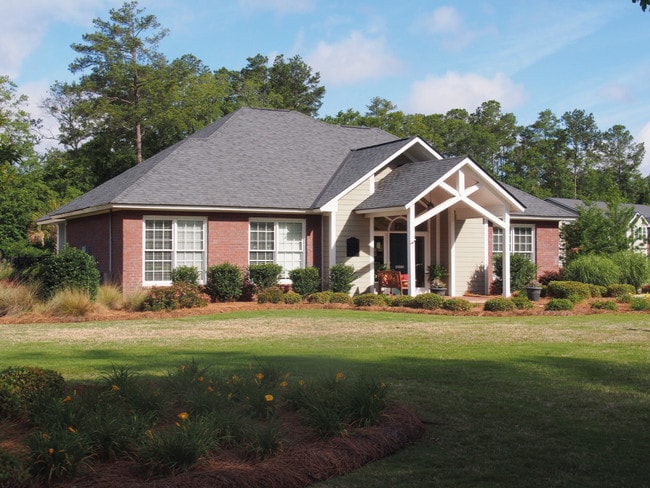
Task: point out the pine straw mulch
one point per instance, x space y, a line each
304 461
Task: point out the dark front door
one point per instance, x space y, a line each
399 256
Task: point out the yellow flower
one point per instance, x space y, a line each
268 398
51 451
229 396
210 388
71 429
182 368
183 415
45 435
235 378
301 382
284 384
339 376
201 379
149 433
67 399
115 387
259 376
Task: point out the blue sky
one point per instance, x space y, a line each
424 56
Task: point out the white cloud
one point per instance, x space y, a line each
354 59
35 92
442 20
281 6
23 25
644 136
439 94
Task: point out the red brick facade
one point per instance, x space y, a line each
116 241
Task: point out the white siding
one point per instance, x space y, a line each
470 257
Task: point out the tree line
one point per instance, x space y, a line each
129 102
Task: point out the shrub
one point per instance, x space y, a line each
604 305
16 298
624 298
6 271
13 471
71 302
305 280
225 282
369 300
456 305
272 294
291 297
428 301
571 290
522 271
134 300
264 275
522 302
499 304
71 268
181 295
341 277
640 303
635 268
25 385
320 297
340 297
593 269
555 304
597 291
400 301
185 274
617 290
111 297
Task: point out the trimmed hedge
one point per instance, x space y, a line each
340 297
264 275
428 301
570 290
185 274
225 282
71 268
369 300
456 305
292 297
522 302
21 386
320 297
305 280
181 295
272 294
341 277
640 303
618 290
499 304
604 305
555 304
400 301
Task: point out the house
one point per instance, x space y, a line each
263 185
639 224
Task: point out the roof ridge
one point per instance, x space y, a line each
363 148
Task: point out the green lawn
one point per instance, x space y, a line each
523 401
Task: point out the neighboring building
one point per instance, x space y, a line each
639 225
262 186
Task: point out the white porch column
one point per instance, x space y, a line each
410 241
371 246
451 285
506 255
333 238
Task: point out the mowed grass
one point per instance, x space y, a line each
522 401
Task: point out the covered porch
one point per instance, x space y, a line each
436 212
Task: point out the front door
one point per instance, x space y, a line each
398 256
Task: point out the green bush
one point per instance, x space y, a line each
71 268
264 275
428 301
182 295
618 290
571 290
225 282
340 297
21 386
635 268
604 305
291 297
369 300
272 294
640 303
341 277
522 302
13 471
522 271
624 298
499 304
597 291
400 301
320 297
456 305
185 274
555 304
593 269
305 280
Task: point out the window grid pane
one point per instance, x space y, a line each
497 240
279 242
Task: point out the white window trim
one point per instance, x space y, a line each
275 222
512 240
174 220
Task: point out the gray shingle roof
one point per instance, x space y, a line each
536 207
573 205
404 183
253 158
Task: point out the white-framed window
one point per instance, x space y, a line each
277 241
522 240
171 242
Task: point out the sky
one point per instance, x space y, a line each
423 56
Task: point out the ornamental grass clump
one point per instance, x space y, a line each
70 302
16 298
111 297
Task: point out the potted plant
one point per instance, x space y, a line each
534 290
436 272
